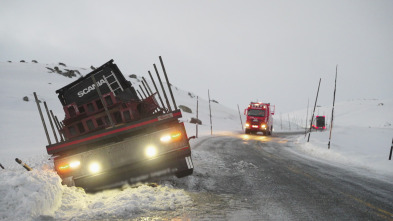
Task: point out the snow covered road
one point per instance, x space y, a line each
249 177
236 177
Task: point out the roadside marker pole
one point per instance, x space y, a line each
312 118
391 150
241 122
23 164
196 125
210 110
1 166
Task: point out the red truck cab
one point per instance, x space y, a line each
259 118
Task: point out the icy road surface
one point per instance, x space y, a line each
251 177
236 177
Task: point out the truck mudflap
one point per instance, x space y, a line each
164 150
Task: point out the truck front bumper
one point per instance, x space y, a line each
168 164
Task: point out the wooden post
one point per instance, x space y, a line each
57 125
334 99
289 123
210 110
305 128
312 118
169 84
197 112
158 93
391 150
162 88
241 121
23 164
42 118
51 122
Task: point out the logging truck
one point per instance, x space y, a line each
114 131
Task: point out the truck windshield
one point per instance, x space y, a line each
256 113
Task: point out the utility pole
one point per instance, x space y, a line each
334 99
305 130
241 122
289 122
197 119
210 110
312 118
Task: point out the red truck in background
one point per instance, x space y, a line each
320 123
259 118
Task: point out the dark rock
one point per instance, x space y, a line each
191 95
62 64
34 61
214 101
195 121
26 98
92 67
22 61
76 71
133 76
185 108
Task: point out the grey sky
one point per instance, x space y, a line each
271 51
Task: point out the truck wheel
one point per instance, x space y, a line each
185 167
184 173
247 131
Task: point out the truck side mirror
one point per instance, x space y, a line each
245 111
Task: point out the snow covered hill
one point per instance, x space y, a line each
362 135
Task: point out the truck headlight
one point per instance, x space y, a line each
151 151
247 125
94 167
263 126
174 136
69 166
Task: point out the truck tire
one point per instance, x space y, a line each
247 131
184 173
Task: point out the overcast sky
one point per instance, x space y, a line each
270 51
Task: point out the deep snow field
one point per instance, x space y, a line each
361 140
